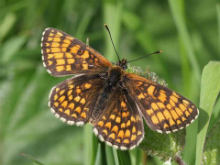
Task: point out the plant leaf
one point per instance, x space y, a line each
210 87
166 146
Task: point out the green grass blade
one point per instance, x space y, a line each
101 155
190 68
32 159
124 157
112 17
84 23
218 16
88 144
94 148
7 24
138 156
210 87
178 15
110 156
98 160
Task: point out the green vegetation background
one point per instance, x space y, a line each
186 31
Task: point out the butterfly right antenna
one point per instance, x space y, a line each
160 51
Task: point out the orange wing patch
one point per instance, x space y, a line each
164 110
63 54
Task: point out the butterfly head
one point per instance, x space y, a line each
122 63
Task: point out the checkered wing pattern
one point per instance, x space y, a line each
63 55
73 100
107 96
164 110
120 125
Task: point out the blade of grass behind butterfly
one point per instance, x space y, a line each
218 16
111 156
89 150
90 141
32 159
187 58
177 9
216 111
7 23
190 89
124 157
84 23
137 157
101 155
112 17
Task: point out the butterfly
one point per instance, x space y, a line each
104 95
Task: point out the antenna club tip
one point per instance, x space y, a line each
106 26
160 51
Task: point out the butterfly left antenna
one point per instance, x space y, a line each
106 26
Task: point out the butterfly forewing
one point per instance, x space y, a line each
107 97
120 125
73 100
164 110
63 54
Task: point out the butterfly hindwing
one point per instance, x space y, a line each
163 109
120 125
73 100
63 55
